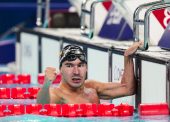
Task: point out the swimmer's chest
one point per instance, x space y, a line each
79 98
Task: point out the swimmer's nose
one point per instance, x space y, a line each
76 70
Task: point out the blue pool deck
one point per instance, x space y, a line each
42 118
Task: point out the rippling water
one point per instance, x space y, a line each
40 118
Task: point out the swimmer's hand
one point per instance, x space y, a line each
50 74
133 48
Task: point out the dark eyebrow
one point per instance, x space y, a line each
82 62
68 63
73 64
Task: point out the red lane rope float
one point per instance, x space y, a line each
68 110
15 79
7 78
41 78
33 91
6 110
5 93
24 79
153 109
19 93
125 110
105 109
53 109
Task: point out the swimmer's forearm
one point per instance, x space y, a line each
47 84
128 77
43 96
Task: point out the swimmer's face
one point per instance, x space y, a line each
74 72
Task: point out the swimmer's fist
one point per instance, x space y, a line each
50 74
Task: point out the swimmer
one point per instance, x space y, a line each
74 88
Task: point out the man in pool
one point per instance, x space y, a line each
75 88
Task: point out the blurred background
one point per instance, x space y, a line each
31 39
22 14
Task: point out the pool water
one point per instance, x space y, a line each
41 118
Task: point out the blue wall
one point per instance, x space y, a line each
19 12
14 12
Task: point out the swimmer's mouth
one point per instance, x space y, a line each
76 80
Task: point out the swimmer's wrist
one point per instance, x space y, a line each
47 84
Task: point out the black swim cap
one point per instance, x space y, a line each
71 53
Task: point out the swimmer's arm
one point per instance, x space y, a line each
112 90
127 85
43 96
47 95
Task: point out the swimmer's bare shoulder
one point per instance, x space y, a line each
56 95
98 86
91 84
